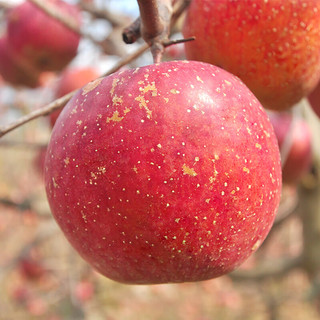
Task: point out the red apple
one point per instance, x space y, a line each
273 46
31 269
166 173
42 40
72 79
84 291
294 138
14 69
314 100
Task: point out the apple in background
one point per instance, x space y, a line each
31 269
296 133
273 46
70 80
14 69
84 290
314 100
175 52
165 173
42 40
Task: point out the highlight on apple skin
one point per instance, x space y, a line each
273 46
165 173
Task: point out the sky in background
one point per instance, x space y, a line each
125 6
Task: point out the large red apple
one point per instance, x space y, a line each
166 173
72 79
44 41
294 138
273 46
14 69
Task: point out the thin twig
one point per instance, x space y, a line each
275 270
115 19
133 32
59 103
55 105
176 41
178 9
67 21
55 13
25 205
128 59
22 144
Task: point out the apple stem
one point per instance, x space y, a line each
155 18
133 32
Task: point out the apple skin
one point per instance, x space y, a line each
72 79
273 46
299 158
42 40
15 70
166 173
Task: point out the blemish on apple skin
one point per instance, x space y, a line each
245 169
188 171
199 79
149 87
115 117
117 100
114 84
143 105
54 183
174 91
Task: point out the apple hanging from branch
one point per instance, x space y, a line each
273 46
40 39
294 136
165 173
